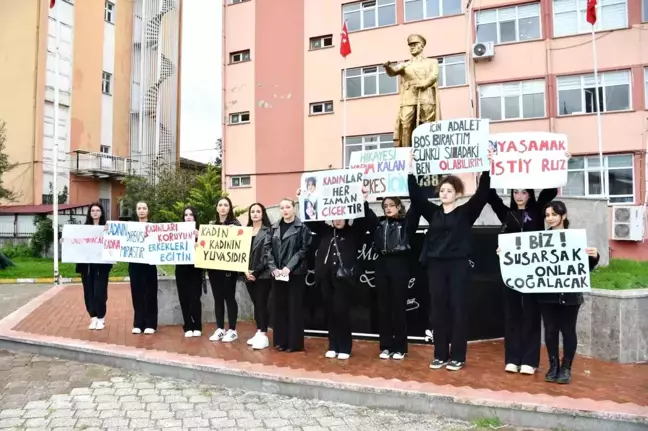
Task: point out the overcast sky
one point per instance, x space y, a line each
201 79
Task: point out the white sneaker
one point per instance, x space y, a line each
527 369
93 323
385 354
343 356
197 333
230 335
149 331
250 342
511 368
136 331
261 342
331 354
399 356
188 334
101 323
218 335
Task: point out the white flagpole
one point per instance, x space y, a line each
598 115
55 145
344 113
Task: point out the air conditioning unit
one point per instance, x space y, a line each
628 223
124 210
483 51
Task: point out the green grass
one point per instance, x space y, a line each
28 267
493 422
621 274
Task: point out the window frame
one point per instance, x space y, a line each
498 23
375 7
109 12
240 116
106 83
242 53
644 13
324 105
502 96
379 71
364 142
601 84
586 170
646 81
582 26
322 40
240 179
425 12
443 66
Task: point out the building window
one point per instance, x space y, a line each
569 16
364 143
320 42
512 100
240 181
106 83
240 56
452 70
646 83
318 108
576 93
105 149
369 14
369 81
109 12
584 177
644 11
509 24
105 203
421 9
239 118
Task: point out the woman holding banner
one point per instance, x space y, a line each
446 253
285 246
144 286
189 281
560 310
94 276
223 283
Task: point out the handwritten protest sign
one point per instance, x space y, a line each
224 247
530 160
451 146
332 195
124 241
545 262
82 243
170 243
385 171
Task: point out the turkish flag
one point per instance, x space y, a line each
345 44
591 11
52 3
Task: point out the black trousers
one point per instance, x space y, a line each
288 311
335 293
392 278
144 286
560 319
189 282
259 291
521 328
449 282
95 289
223 286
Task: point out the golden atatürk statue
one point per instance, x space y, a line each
418 91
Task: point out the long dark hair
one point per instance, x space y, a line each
102 218
398 203
265 220
230 214
193 212
531 202
559 208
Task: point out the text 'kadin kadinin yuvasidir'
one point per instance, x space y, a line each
225 248
332 195
545 262
451 146
529 160
384 171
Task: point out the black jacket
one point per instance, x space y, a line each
567 298
258 256
515 220
289 251
393 235
448 235
349 239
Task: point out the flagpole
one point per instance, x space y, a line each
55 146
598 115
344 113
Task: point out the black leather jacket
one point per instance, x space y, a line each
258 256
393 235
289 251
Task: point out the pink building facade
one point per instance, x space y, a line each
283 85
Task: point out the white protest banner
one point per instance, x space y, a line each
331 195
451 146
385 171
82 243
170 243
529 160
124 241
553 261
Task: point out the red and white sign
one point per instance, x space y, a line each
529 160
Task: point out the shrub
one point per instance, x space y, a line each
13 251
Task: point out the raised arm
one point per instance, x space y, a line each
419 202
371 220
478 201
300 256
394 70
362 225
412 219
546 196
500 210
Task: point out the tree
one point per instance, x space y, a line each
62 195
5 165
218 160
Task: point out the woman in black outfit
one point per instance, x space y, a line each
560 310
392 236
258 279
189 282
286 245
144 287
336 268
446 253
94 276
223 283
522 312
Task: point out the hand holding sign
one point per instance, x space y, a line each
591 251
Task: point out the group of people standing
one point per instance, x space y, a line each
278 264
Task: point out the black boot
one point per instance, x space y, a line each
552 374
564 376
